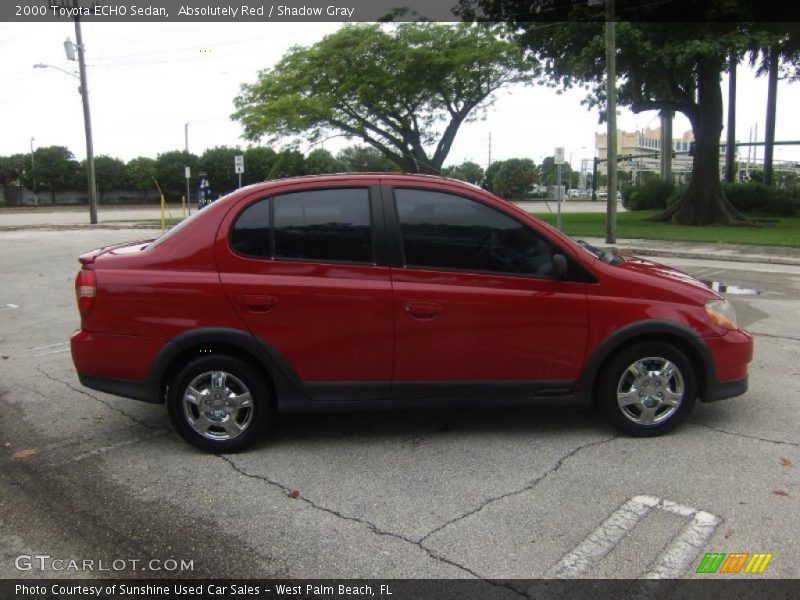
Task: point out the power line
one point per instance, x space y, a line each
207 45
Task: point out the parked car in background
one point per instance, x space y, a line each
342 292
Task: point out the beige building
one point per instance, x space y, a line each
648 141
643 142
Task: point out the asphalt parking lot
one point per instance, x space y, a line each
510 494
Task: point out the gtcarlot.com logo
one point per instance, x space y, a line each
734 563
45 562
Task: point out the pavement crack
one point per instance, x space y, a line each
366 523
105 403
527 487
744 435
775 336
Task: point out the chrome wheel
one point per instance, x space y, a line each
650 391
217 405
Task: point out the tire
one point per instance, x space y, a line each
648 389
218 403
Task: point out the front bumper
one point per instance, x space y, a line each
731 353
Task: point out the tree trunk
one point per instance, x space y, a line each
704 202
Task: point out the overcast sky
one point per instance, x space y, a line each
147 80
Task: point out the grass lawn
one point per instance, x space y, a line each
772 231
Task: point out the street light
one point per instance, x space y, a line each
44 66
70 48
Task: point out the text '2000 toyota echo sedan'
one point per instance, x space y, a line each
385 290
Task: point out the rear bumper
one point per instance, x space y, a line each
127 388
117 364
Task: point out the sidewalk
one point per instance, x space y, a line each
726 252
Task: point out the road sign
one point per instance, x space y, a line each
238 163
559 155
188 172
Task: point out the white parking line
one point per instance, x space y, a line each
682 552
10 307
105 449
673 560
52 352
49 346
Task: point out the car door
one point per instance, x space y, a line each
300 269
477 310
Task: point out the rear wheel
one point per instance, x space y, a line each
218 403
648 389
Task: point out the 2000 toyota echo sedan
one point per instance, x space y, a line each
386 290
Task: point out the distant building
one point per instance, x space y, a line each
649 141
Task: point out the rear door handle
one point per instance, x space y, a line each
422 310
257 303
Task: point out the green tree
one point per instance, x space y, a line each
404 90
258 161
321 161
491 172
549 172
467 171
12 168
170 172
514 178
288 163
109 173
56 170
661 66
140 173
217 164
364 159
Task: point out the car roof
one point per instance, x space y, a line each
370 175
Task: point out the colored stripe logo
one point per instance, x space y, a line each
735 562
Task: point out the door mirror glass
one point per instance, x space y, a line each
560 266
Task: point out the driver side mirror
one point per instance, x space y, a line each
560 266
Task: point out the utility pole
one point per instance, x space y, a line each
87 119
730 134
489 163
187 168
611 108
33 176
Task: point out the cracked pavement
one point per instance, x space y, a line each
494 495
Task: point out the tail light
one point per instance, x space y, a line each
85 290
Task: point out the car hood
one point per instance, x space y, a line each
656 272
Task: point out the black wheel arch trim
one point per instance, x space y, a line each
611 344
284 379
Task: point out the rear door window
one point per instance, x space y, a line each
324 225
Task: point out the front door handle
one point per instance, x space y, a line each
422 310
258 303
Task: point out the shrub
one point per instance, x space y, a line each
757 197
653 193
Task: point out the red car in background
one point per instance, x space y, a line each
385 290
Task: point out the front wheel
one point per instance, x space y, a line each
648 389
218 403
